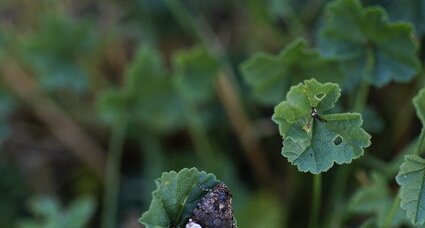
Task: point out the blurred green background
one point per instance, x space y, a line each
98 98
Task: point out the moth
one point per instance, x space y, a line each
214 210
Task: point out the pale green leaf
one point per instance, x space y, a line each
409 10
314 145
195 71
353 34
148 97
411 179
176 196
270 76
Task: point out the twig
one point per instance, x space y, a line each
63 127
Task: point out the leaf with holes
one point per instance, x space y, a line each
367 44
312 140
176 196
411 179
271 76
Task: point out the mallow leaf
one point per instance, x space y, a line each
312 140
148 97
195 71
176 196
411 179
409 10
271 76
366 42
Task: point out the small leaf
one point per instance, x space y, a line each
270 76
176 196
195 71
364 40
411 179
314 144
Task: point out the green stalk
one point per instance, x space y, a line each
112 182
198 134
420 142
391 214
315 205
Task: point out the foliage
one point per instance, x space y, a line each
52 215
271 76
314 144
364 40
176 196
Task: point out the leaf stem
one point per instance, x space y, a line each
315 205
112 182
420 142
391 214
361 96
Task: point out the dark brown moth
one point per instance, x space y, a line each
214 210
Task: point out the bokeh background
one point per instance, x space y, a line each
99 97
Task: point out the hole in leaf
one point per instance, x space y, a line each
320 95
337 140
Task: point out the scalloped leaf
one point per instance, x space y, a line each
176 196
271 76
365 40
411 179
314 144
195 71
148 96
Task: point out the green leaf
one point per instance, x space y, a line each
148 97
270 76
195 71
411 179
176 196
56 53
314 145
409 10
364 40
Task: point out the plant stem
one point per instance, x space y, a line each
390 216
315 205
112 183
420 142
361 96
226 88
199 136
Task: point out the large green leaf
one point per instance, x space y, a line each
270 76
314 145
176 196
411 179
148 97
195 71
367 43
